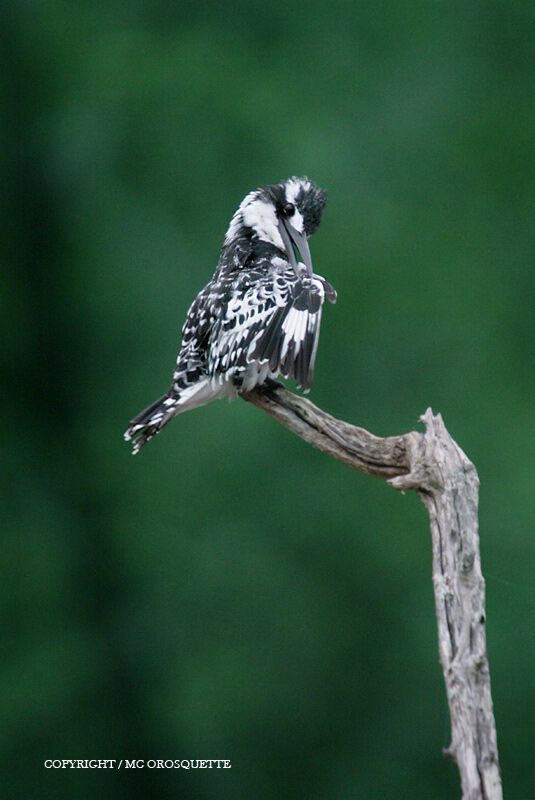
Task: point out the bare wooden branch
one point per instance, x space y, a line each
434 466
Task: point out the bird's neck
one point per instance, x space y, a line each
247 250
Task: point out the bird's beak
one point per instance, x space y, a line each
291 236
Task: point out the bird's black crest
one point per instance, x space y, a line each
311 204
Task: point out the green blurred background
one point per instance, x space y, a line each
232 593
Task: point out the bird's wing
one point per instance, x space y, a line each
274 320
250 305
290 341
192 358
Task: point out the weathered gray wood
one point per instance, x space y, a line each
434 466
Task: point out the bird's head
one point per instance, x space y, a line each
282 214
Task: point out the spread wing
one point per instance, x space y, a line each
274 320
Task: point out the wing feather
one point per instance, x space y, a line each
289 342
274 321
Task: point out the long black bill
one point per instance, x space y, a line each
290 237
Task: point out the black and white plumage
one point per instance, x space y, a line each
259 317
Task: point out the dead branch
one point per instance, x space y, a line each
435 467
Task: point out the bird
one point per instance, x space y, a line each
259 316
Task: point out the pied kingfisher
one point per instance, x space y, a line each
259 317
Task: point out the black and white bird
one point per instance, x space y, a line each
259 317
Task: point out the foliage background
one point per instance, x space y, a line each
231 593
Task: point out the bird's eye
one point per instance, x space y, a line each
288 209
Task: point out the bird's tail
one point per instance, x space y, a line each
151 420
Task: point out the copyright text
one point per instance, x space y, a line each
137 763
